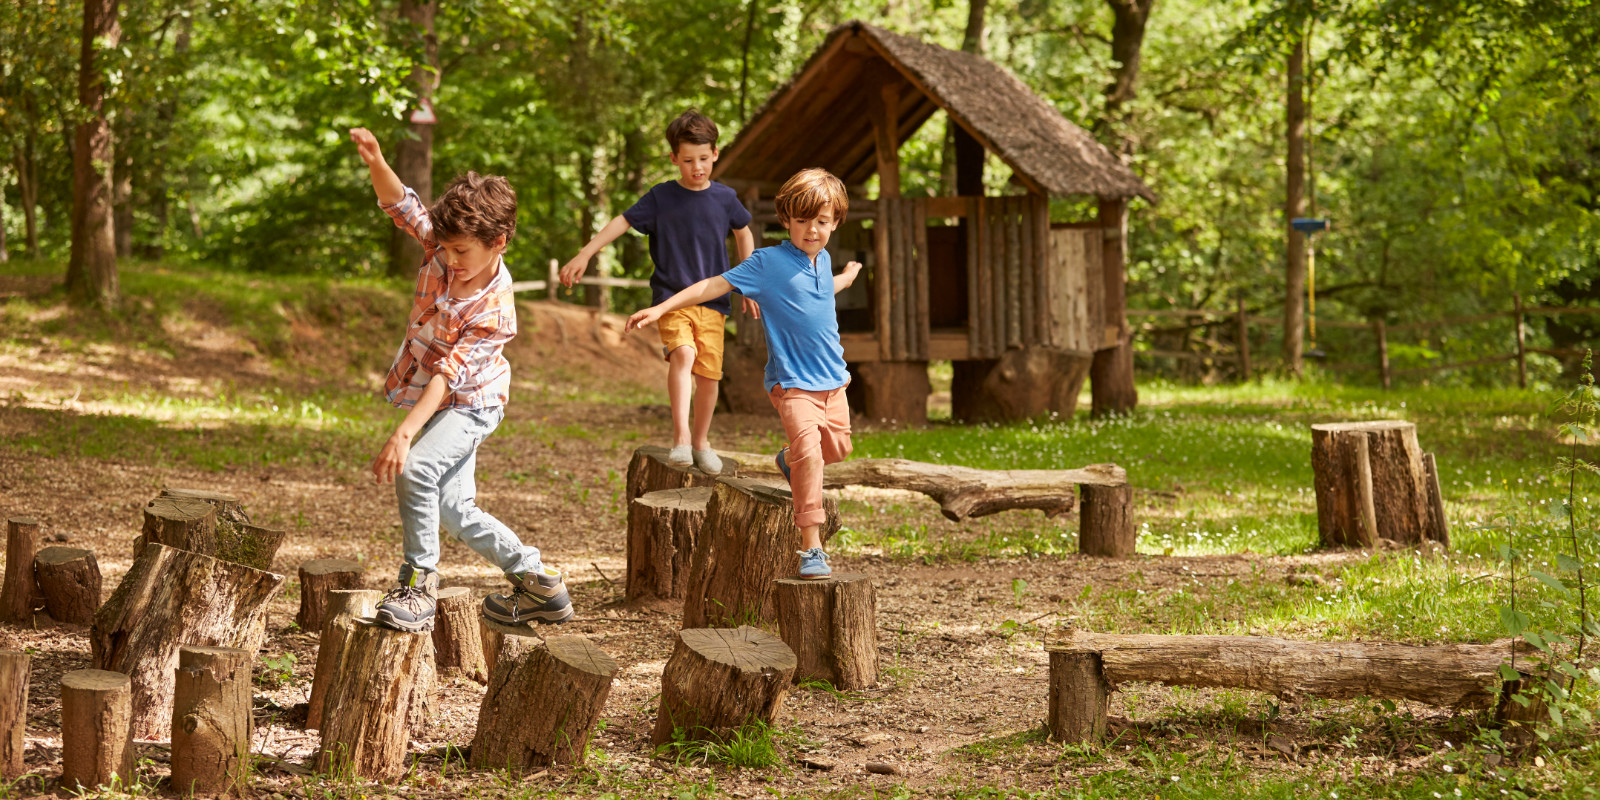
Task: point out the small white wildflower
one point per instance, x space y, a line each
1448 768
1174 779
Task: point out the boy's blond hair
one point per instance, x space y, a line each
808 192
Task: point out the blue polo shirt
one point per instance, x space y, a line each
797 310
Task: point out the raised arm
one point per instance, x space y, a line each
387 184
574 269
844 279
706 290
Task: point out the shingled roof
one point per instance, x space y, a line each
821 117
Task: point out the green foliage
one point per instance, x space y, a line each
753 745
277 670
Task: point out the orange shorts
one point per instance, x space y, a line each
698 327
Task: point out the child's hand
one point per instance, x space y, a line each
642 318
392 459
847 277
749 306
574 270
366 145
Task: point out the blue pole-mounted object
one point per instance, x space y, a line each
1309 224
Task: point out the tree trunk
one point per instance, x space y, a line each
97 728
69 580
1079 698
1021 384
414 155
542 706
317 578
211 722
748 540
457 645
662 530
832 627
19 595
122 194
28 193
957 157
373 695
13 712
504 643
168 599
1295 206
1127 42
183 522
92 270
649 471
4 254
1111 385
1372 483
345 606
894 392
1106 526
718 679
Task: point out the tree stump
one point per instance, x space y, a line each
832 627
317 578
211 722
1105 522
649 472
720 678
96 728
892 392
542 706
212 527
502 643
229 508
747 541
13 712
1079 698
345 606
662 529
373 695
1022 384
1372 483
457 645
69 580
19 595
168 599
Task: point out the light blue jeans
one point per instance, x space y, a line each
436 487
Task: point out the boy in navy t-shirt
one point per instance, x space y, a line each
688 221
806 376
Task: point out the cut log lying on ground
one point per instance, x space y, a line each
345 606
96 728
648 471
374 695
19 595
13 712
457 641
542 706
832 627
1374 482
318 577
211 722
69 579
720 678
662 530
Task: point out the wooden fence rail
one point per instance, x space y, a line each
553 283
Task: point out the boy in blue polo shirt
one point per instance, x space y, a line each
806 375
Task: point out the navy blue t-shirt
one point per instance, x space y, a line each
688 233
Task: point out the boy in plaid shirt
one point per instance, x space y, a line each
452 374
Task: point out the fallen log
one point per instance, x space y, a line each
69 580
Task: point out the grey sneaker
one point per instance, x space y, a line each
537 597
410 606
814 564
708 461
680 456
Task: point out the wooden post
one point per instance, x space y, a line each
13 712
345 606
1441 523
1106 526
1348 457
96 728
648 471
720 678
457 646
1381 333
832 627
1243 323
1079 698
662 530
69 580
542 706
317 578
1522 341
1111 383
211 722
374 696
19 596
503 642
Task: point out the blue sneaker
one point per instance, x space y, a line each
814 564
783 463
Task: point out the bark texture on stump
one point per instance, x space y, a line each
211 722
662 530
542 706
747 541
96 728
13 712
345 606
210 524
720 678
69 580
649 472
1371 483
832 627
168 599
457 643
1022 384
374 694
19 595
502 643
893 392
229 508
1105 523
317 578
1079 698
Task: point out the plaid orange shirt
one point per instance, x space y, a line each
462 339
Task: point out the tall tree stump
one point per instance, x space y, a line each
345 606
19 595
373 695
13 712
229 508
317 578
542 705
457 643
215 526
211 722
649 471
503 643
747 541
96 728
69 580
1024 383
1105 521
720 678
662 529
892 392
832 627
1372 483
168 599
1079 698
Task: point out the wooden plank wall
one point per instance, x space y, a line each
1076 289
903 316
1008 264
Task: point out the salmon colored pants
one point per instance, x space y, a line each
818 427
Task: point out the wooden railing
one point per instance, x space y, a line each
553 283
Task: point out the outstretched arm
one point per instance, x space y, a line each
844 279
744 243
574 269
708 289
387 184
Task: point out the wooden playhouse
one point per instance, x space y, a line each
1019 304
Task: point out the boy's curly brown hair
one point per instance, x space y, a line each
808 192
483 207
691 127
